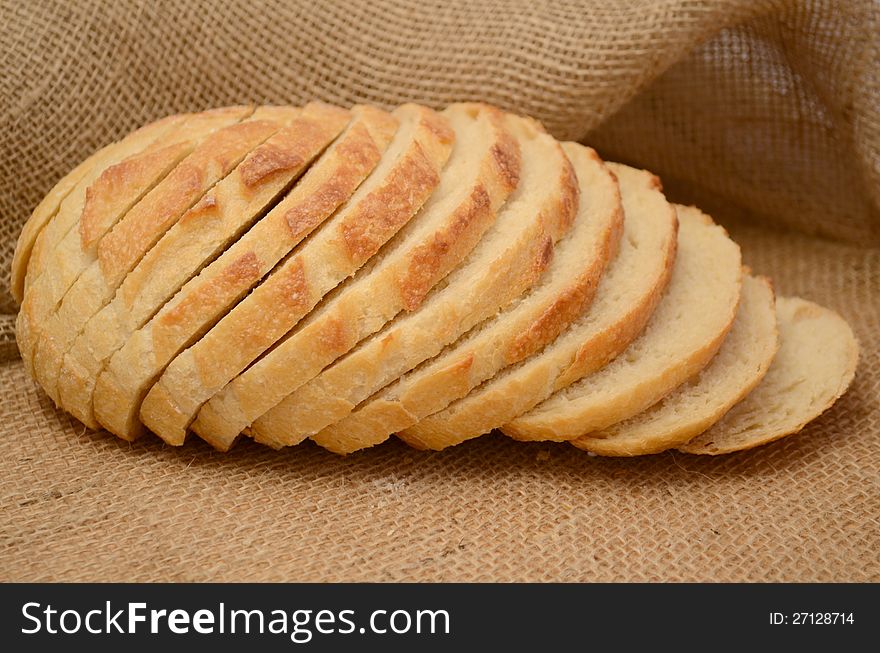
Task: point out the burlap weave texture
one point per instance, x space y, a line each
765 113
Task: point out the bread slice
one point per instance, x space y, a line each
815 364
96 192
509 259
135 234
738 367
223 282
202 234
403 181
549 307
481 173
684 333
106 203
625 299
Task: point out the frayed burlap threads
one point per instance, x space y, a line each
766 113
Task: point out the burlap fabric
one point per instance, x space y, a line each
765 113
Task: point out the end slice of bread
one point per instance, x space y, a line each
482 171
684 333
814 366
626 297
394 193
737 368
509 259
545 311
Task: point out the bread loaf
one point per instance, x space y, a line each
346 274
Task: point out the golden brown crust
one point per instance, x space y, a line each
569 201
183 317
287 291
430 258
121 249
385 211
334 336
543 257
136 172
506 156
551 322
120 245
270 160
485 285
433 260
360 152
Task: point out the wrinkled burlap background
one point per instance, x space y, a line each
765 113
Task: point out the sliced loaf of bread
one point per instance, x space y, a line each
524 328
346 274
379 209
696 405
508 260
202 300
625 299
815 364
482 171
684 333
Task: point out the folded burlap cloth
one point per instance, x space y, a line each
766 114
